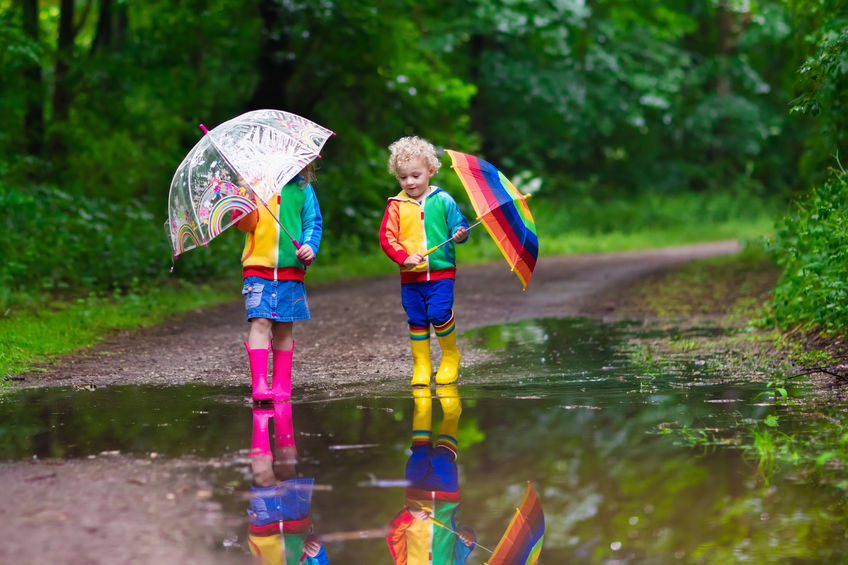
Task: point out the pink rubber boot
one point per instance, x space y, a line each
281 377
259 373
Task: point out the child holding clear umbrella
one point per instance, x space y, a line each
274 291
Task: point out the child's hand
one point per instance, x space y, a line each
311 545
305 254
460 235
467 536
419 514
414 259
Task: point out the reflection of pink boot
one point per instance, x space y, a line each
259 373
281 377
285 452
260 443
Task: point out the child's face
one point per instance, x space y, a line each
414 177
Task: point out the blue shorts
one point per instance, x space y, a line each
432 468
427 302
289 500
281 301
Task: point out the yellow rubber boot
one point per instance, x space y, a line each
422 416
451 410
419 339
449 367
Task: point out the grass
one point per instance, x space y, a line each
575 243
35 335
733 286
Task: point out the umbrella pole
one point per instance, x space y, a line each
445 242
279 223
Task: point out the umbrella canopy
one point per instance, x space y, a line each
521 544
502 210
255 153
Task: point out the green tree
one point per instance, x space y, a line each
822 42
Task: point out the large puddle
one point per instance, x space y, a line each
563 405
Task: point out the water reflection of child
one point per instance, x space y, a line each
280 531
432 493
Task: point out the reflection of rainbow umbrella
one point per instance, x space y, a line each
502 210
521 544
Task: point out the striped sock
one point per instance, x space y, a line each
421 437
446 328
417 333
448 442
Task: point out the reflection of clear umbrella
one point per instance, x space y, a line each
253 154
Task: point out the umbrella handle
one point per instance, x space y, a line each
445 242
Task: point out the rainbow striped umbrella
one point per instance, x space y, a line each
521 544
502 210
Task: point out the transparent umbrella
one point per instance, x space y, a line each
236 166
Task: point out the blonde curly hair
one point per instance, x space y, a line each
408 149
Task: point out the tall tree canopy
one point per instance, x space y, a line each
102 98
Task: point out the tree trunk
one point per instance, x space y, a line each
122 24
61 87
103 37
64 52
34 85
274 68
725 46
477 46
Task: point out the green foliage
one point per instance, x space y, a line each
818 447
609 105
56 243
822 81
82 322
636 95
811 246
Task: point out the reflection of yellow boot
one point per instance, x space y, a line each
449 367
451 410
422 416
419 339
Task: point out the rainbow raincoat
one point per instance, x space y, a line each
268 252
415 542
411 227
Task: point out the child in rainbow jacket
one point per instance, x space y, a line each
420 216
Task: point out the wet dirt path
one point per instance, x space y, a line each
114 508
358 329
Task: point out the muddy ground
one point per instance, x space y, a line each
116 509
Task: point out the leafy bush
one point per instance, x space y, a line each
812 247
53 242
